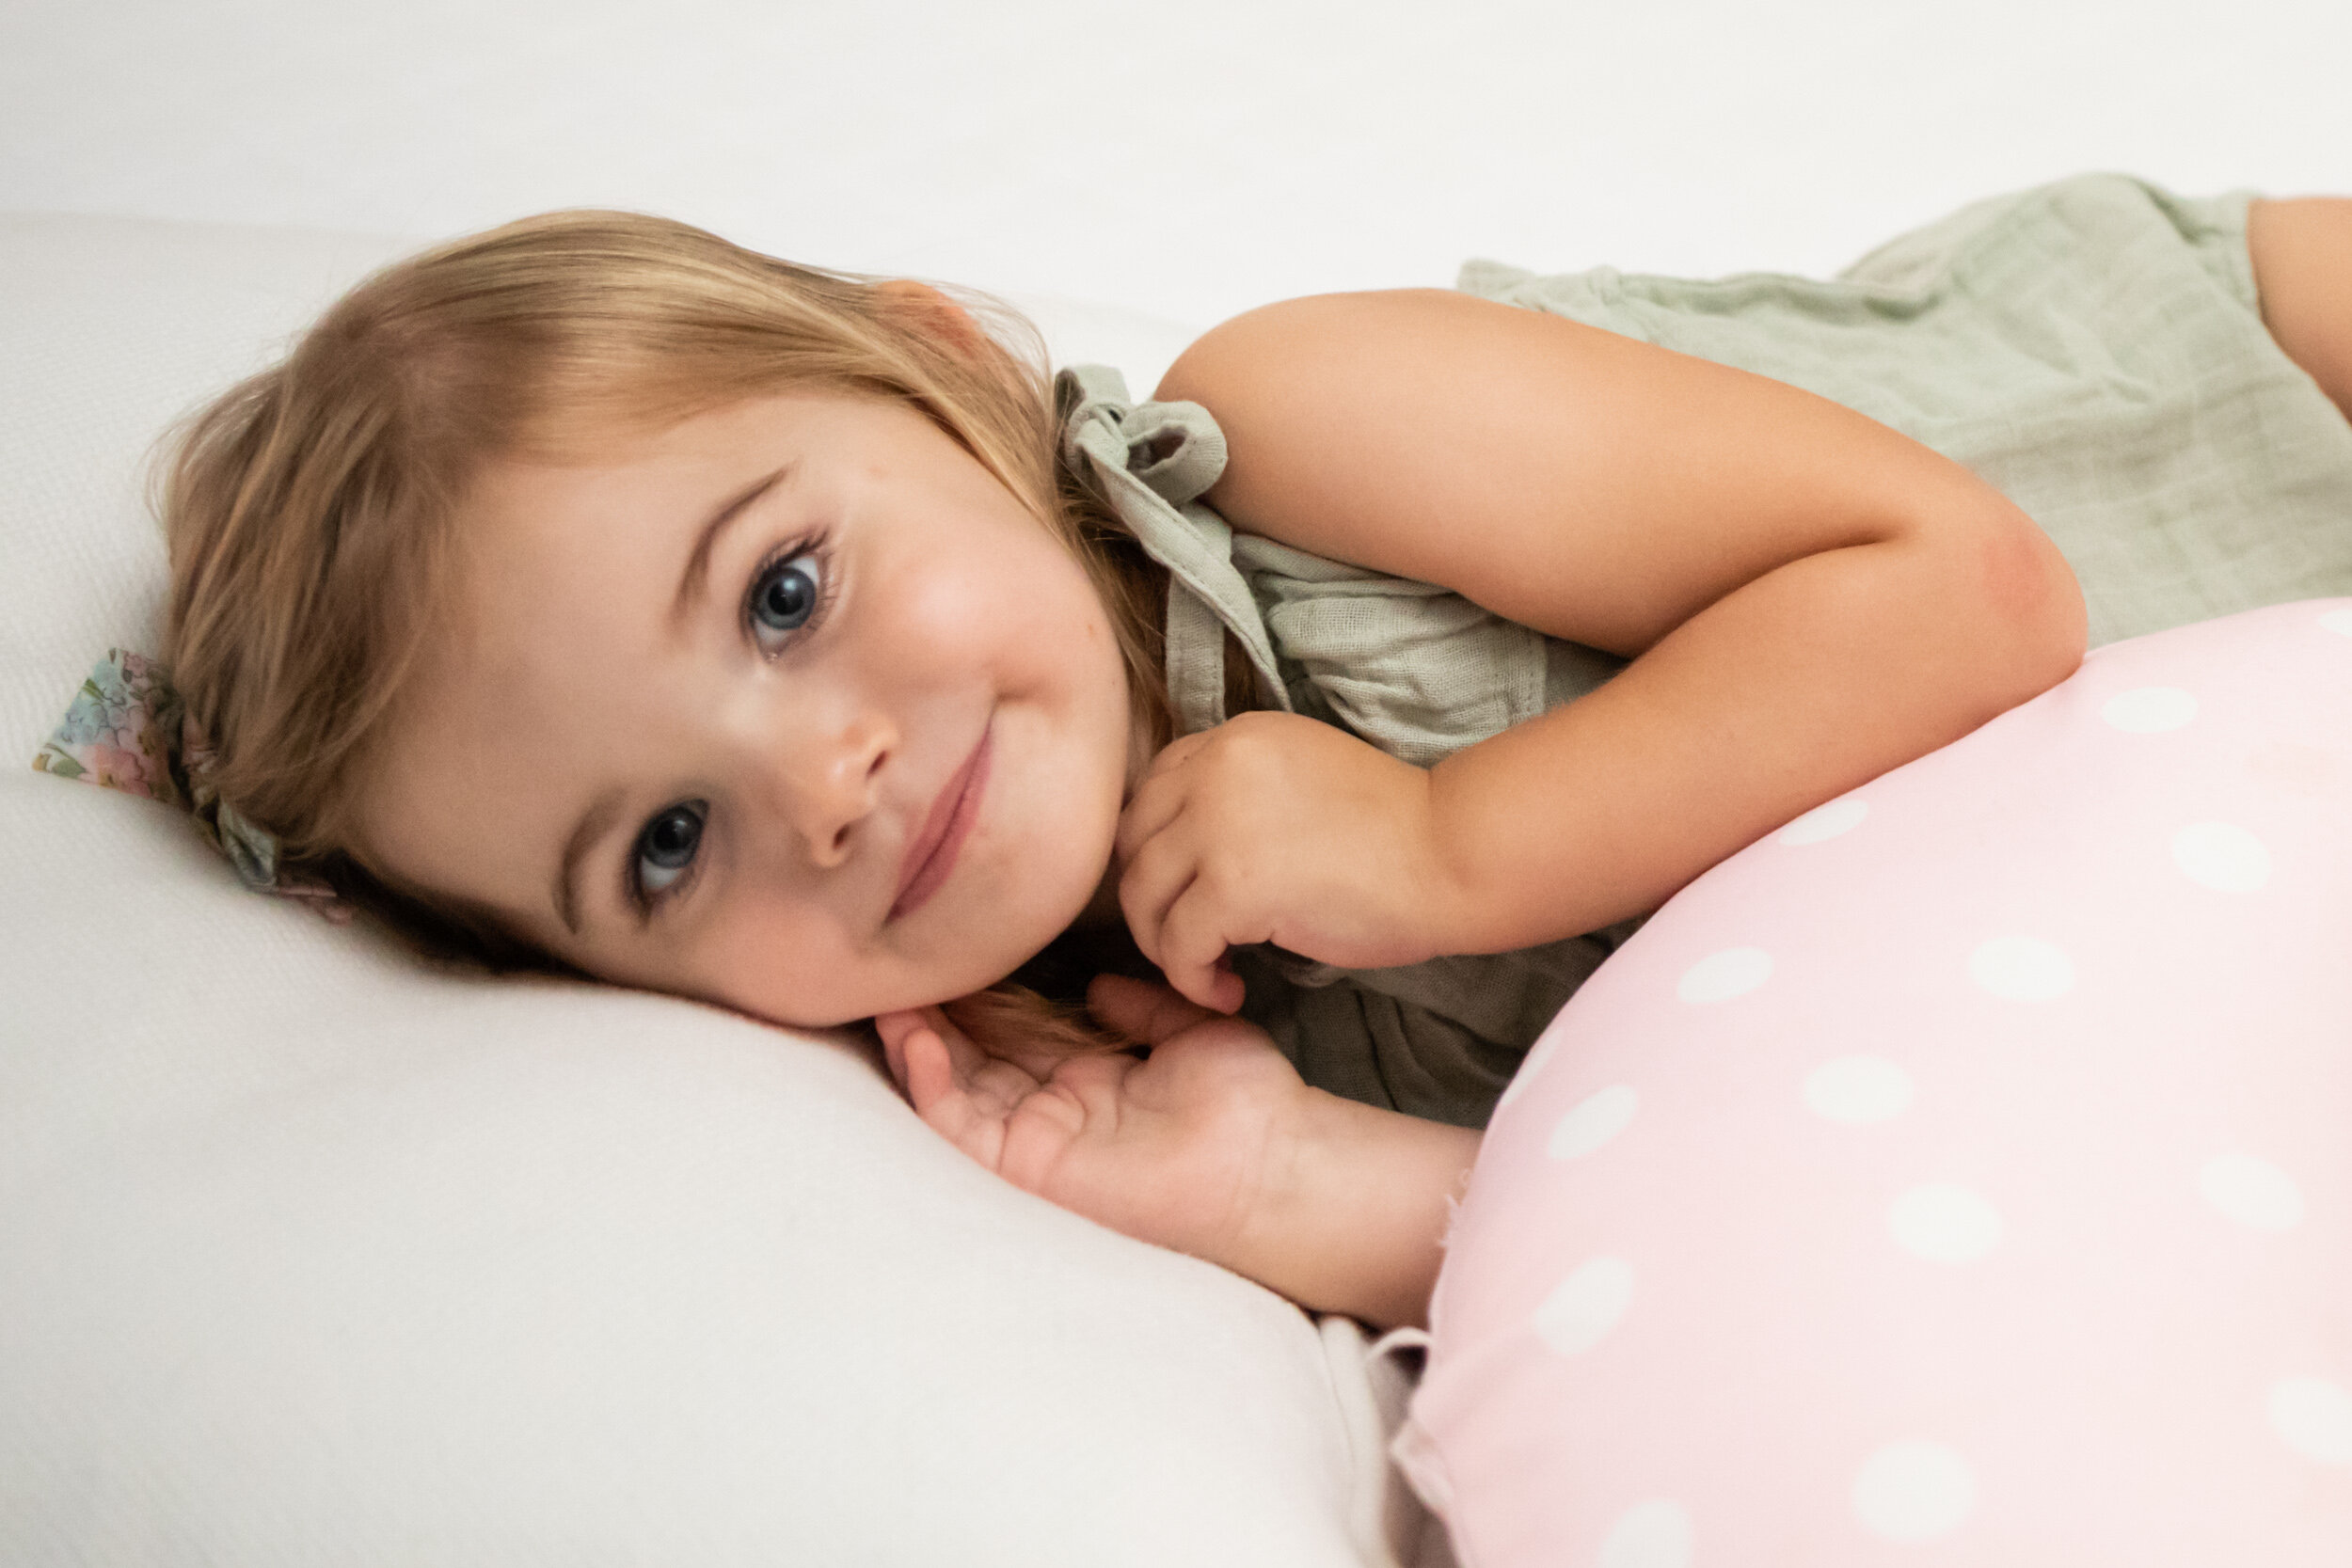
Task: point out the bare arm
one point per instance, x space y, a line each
2302 255
1360 1226
1808 597
1212 1146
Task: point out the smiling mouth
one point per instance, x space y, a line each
933 855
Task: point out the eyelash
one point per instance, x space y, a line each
817 543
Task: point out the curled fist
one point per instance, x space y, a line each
1278 828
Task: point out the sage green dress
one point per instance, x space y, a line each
2092 348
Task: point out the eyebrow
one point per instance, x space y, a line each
690 584
594 824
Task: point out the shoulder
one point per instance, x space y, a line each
1341 411
1322 338
1429 434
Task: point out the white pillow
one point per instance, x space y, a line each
309 1254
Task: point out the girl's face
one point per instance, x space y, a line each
793 707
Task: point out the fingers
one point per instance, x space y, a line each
960 1093
1186 926
1185 894
1194 937
918 1056
1182 910
1142 1010
1159 800
935 1064
930 1081
894 1028
1160 865
1212 986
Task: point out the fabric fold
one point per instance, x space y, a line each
1151 461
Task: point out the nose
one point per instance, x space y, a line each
831 779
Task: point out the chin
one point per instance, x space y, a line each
1020 930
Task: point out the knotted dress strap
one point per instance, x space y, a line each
1151 461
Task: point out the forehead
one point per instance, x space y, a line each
631 480
617 518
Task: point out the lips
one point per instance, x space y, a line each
933 855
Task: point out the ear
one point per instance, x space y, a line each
933 312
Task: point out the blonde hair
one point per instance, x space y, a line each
312 510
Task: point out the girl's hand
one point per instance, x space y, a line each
1277 828
1176 1148
1211 1146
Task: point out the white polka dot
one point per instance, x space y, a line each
2221 856
1825 822
1913 1491
2022 969
1944 1223
2314 1418
2252 1192
2339 622
1597 1119
1858 1090
1721 976
1528 1068
2150 710
1583 1307
1655 1534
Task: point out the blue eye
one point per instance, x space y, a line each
786 596
667 846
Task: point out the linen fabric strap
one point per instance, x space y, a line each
1153 462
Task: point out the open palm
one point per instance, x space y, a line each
1178 1148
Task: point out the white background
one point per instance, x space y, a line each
1189 159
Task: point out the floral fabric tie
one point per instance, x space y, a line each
128 730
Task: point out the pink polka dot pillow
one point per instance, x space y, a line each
1961 1175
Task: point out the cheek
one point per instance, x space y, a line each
803 976
1033 619
1078 626
779 962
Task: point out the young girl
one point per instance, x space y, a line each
702 623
